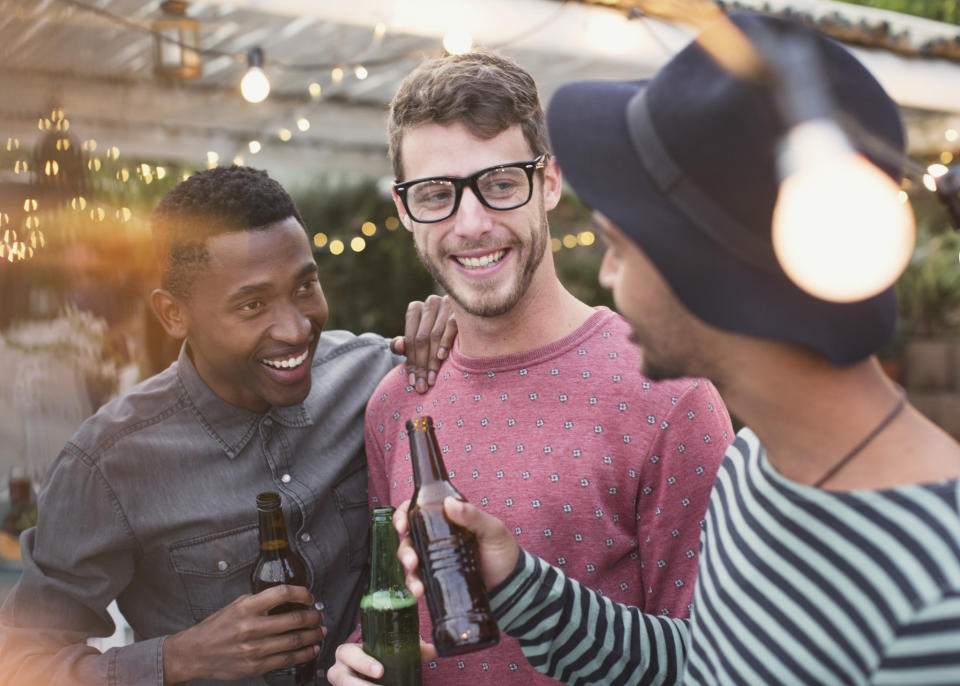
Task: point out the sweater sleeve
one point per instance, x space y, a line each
575 635
677 477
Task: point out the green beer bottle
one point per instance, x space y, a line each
389 620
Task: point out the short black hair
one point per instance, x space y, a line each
209 203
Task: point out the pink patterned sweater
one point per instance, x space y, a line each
593 467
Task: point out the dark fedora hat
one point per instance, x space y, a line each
685 164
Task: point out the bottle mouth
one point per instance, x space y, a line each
268 501
419 424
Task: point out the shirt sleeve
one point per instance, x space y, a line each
925 651
677 479
76 561
577 636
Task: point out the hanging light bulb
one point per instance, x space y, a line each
457 41
841 230
255 86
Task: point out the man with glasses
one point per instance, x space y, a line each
542 415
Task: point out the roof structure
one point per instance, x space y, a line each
334 65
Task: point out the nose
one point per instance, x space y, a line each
290 325
472 219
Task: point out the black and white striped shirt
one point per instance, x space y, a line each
796 586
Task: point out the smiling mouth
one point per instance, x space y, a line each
286 362
482 260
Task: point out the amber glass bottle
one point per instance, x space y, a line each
279 564
389 619
456 597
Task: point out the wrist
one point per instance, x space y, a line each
175 669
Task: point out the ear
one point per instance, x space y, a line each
401 211
552 184
171 313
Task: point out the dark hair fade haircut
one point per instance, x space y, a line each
485 91
209 203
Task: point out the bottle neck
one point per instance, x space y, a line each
273 532
425 452
385 569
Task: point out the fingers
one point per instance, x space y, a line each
266 600
406 553
352 664
441 339
400 518
416 345
429 331
428 651
499 551
280 660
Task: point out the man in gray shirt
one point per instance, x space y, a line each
152 502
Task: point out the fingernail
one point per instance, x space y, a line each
319 606
413 379
316 648
431 378
421 385
441 353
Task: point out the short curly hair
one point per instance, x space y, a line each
485 91
209 203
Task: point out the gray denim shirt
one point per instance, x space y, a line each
153 502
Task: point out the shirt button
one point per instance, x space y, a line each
286 478
222 565
304 537
267 421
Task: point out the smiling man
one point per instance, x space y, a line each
152 502
541 412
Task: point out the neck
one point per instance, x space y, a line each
547 312
809 414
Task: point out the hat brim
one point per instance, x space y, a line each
589 135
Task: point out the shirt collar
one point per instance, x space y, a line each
231 426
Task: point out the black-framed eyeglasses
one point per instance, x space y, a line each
502 187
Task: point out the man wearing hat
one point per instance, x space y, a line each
831 551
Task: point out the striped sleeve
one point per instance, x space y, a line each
577 636
926 651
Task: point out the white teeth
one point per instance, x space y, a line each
288 363
483 260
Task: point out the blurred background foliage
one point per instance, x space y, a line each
938 10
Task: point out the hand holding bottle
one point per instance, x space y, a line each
244 640
354 667
499 550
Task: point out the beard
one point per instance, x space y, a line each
488 304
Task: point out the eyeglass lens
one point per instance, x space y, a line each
502 188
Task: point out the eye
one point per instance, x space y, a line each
308 285
251 306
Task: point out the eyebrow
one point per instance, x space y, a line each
254 288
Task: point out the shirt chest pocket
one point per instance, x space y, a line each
215 569
351 497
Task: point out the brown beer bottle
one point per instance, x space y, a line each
279 564
456 597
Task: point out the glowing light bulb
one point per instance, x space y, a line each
840 229
457 41
255 86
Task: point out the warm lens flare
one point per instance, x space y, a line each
841 229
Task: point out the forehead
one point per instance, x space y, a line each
272 255
452 150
